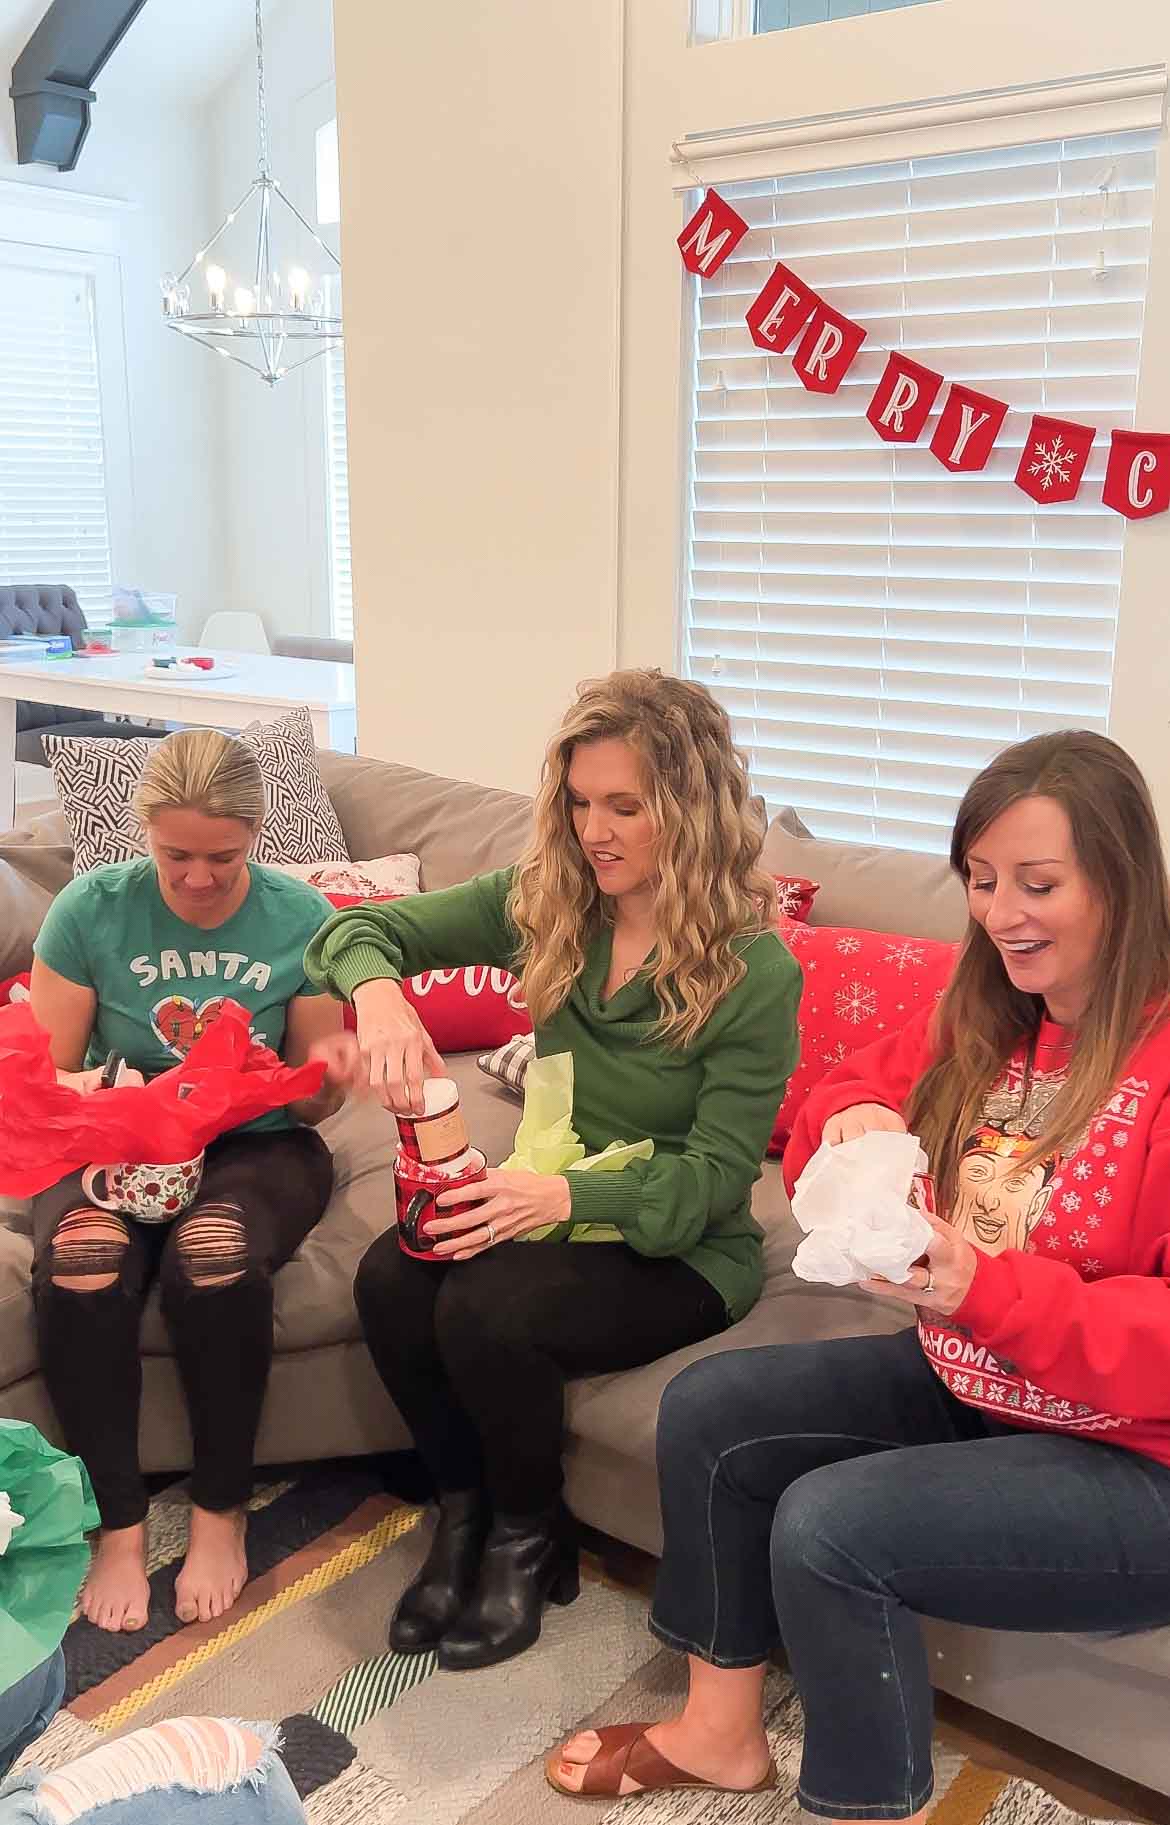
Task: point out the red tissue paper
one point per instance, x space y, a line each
48 1130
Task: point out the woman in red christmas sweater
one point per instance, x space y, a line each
1006 1463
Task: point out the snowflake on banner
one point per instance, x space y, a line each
848 945
1093 1221
1079 1239
1111 1170
1071 1200
905 956
1054 462
1082 1170
1091 1268
1103 1197
855 1003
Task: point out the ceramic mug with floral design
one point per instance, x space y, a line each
152 1194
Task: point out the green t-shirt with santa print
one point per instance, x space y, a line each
159 979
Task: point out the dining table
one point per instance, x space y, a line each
238 688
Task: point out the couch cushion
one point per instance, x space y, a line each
457 830
620 1412
23 906
884 890
18 1343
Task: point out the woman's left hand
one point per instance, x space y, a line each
510 1204
944 1283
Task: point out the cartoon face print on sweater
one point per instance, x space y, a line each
1000 1194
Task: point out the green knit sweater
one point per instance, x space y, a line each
709 1108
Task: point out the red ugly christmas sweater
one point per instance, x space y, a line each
1066 1326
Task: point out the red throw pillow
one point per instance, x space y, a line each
470 1009
858 986
794 897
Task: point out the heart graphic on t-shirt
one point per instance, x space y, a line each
179 1023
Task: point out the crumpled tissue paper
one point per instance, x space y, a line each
853 1203
546 1141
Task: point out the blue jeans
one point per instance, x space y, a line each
824 1495
28 1708
264 1795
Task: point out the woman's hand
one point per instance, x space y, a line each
398 1046
861 1119
944 1283
510 1204
88 1083
347 1067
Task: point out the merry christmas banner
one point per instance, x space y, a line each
788 316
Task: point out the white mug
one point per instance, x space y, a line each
152 1194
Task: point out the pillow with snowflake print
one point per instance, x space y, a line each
794 897
858 987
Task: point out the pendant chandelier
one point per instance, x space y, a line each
277 305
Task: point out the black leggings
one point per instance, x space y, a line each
261 1195
475 1353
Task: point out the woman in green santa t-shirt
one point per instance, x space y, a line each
136 958
643 932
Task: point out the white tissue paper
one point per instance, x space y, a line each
853 1203
9 1522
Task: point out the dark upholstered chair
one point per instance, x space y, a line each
28 608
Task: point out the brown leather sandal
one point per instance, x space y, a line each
625 1751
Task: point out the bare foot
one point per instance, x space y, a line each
737 1766
215 1570
116 1594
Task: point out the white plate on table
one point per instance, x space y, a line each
189 674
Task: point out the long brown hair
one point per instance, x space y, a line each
708 890
982 1019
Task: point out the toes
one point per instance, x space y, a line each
572 1775
186 1610
582 1747
133 1621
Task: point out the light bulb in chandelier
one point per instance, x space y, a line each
216 286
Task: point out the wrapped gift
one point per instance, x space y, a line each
48 1130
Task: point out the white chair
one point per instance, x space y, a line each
234 632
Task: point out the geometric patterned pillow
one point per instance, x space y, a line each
508 1065
300 824
96 779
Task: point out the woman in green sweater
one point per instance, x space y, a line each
641 928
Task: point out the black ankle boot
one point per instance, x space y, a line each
445 1585
528 1560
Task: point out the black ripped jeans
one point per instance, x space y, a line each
261 1195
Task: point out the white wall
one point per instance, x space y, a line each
482 369
485 432
271 459
154 157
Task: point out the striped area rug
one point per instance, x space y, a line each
371 1736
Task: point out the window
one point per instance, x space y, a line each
54 516
333 365
780 15
877 628
712 20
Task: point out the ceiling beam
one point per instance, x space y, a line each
51 79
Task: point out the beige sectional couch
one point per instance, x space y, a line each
1106 1700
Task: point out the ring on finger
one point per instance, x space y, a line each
928 1283
490 1231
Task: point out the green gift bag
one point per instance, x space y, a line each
46 1557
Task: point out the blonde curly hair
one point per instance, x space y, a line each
709 892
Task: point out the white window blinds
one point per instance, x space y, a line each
54 518
337 482
876 628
